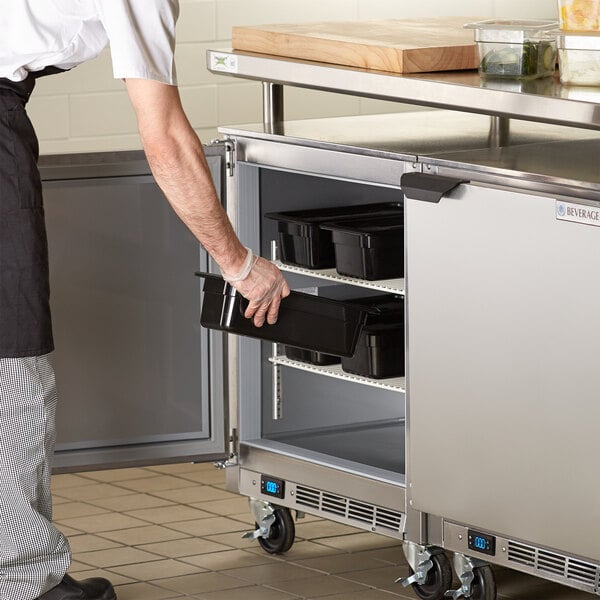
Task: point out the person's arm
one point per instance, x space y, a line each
177 160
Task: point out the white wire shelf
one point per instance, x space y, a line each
394 286
395 384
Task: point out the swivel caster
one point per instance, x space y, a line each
430 573
275 529
476 577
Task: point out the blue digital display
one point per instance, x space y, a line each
482 542
271 486
479 542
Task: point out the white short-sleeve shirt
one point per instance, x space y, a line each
35 34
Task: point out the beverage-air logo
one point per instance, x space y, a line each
224 62
578 213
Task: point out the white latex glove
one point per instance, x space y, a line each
264 288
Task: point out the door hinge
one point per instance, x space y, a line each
229 146
232 452
229 158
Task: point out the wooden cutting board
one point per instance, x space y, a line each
398 46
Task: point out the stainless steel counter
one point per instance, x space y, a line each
544 100
406 135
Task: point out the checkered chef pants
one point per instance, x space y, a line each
34 555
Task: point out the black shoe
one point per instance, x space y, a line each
95 588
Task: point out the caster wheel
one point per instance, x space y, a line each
484 584
438 581
282 534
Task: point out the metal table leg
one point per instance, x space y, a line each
499 131
273 107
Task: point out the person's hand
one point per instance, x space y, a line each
264 288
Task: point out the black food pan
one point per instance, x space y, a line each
305 321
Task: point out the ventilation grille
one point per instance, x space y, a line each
348 509
565 567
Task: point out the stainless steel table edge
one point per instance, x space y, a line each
458 90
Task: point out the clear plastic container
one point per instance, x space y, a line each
579 59
579 15
516 49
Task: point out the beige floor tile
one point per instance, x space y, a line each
382 578
301 550
365 595
234 540
158 569
393 555
177 468
68 510
316 587
195 493
185 547
231 506
68 531
229 559
103 522
120 474
214 477
68 480
77 566
254 592
114 578
115 557
143 591
272 572
58 500
160 483
92 491
245 517
131 502
143 535
212 525
340 563
322 529
201 582
358 542
87 543
174 513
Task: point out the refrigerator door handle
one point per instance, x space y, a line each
428 188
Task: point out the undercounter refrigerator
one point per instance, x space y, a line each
503 330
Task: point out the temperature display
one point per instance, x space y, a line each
272 486
482 542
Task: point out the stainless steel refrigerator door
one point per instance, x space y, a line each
139 381
503 373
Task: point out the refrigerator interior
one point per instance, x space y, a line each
324 414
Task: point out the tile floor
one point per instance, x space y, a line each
175 532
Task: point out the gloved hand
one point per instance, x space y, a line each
263 287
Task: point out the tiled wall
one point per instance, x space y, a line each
87 110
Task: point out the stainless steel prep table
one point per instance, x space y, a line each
351 490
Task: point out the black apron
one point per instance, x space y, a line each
25 324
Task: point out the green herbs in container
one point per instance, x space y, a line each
516 49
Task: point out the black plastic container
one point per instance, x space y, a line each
379 352
382 308
311 357
303 242
305 321
370 248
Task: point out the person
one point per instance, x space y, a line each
38 38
